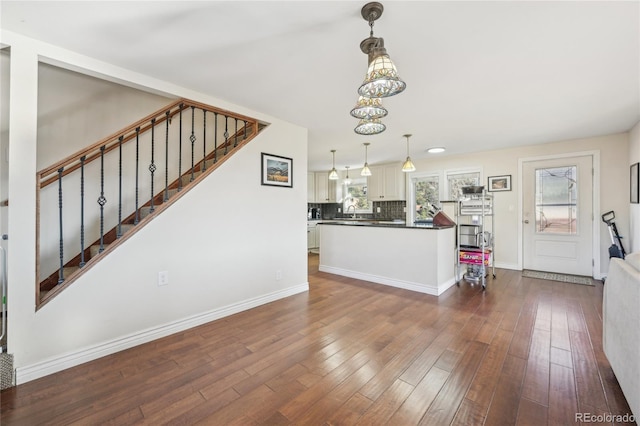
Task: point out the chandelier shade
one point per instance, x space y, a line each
370 127
369 109
382 78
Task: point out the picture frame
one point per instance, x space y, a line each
276 171
633 183
499 183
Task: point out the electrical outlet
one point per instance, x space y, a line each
377 209
278 275
163 278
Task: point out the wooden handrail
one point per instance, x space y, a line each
112 141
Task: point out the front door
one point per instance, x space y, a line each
557 215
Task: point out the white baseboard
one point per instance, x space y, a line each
512 266
407 285
53 365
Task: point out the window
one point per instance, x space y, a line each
426 192
355 199
456 180
556 200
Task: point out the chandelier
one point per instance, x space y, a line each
381 80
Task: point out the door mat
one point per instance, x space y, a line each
573 279
7 378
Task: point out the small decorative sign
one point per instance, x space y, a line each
277 170
499 183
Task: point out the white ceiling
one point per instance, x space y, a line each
480 75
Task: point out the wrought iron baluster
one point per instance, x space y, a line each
152 166
244 137
192 138
204 140
61 271
180 151
166 159
119 233
226 134
101 199
215 137
235 135
82 160
136 219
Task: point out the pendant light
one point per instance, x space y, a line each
333 174
382 78
347 181
408 164
365 170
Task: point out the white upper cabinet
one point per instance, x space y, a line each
386 183
311 187
324 190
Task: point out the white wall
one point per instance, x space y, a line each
4 140
614 186
85 110
633 242
222 243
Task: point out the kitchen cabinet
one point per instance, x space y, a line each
311 187
386 183
313 237
324 190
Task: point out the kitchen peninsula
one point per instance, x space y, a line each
414 257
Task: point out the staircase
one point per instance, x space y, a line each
141 170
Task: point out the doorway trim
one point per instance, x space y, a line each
595 208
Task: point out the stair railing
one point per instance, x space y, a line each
112 168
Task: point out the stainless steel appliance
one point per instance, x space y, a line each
314 213
468 235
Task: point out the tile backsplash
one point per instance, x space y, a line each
388 210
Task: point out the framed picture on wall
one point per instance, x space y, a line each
499 183
277 170
633 184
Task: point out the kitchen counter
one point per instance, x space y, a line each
383 223
387 253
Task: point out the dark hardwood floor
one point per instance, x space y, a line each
525 352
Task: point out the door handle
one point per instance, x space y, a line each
526 221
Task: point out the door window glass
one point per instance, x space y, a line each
556 200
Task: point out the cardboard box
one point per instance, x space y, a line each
475 257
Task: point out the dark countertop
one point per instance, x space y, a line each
383 224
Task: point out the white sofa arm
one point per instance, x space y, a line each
621 326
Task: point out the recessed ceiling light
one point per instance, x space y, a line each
435 150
